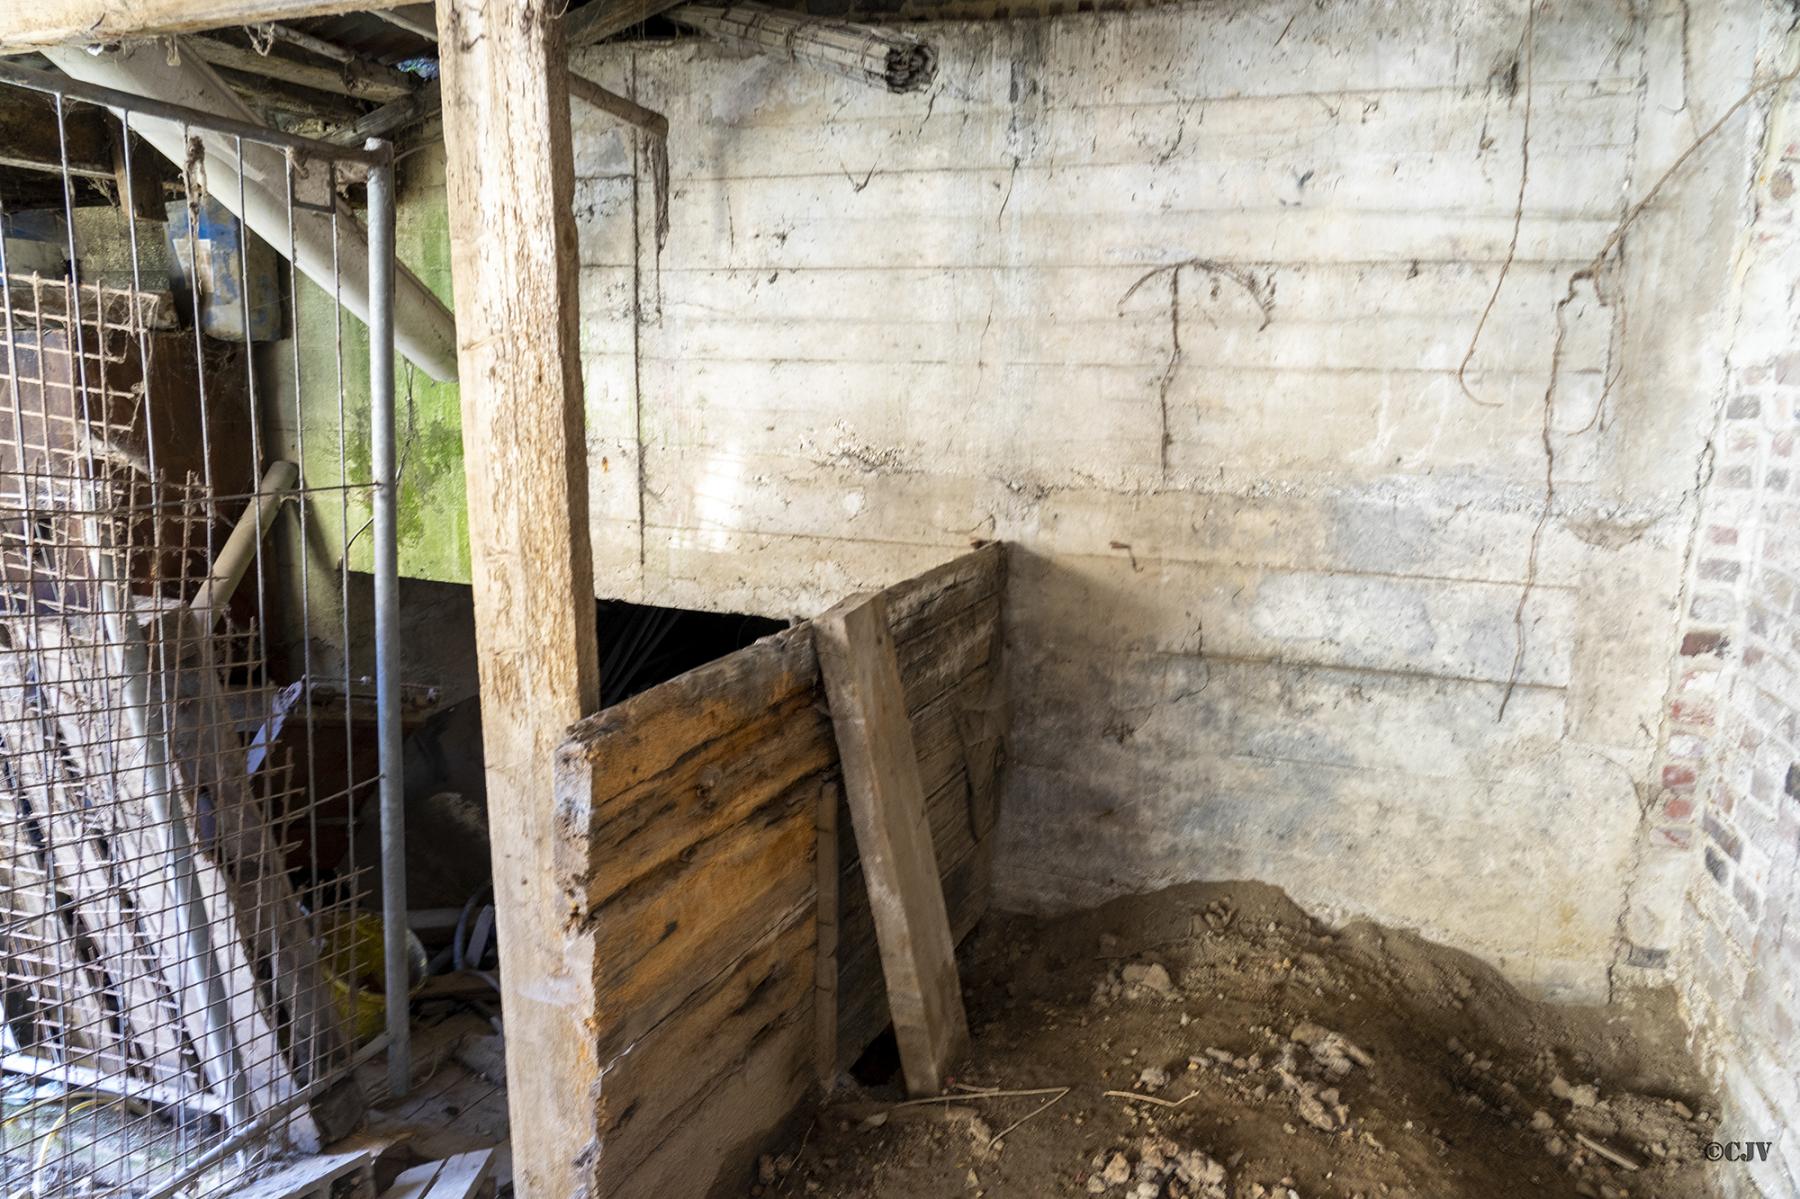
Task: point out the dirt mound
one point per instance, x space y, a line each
1215 1042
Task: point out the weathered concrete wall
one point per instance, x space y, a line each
1175 300
1720 877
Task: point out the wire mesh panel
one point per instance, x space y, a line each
188 965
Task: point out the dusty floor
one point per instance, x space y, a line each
1215 1041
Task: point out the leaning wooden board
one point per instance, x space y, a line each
880 767
692 818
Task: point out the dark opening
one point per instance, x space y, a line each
879 1064
448 858
642 645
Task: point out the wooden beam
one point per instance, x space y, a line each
887 808
363 81
514 263
400 20
613 104
29 137
59 22
390 117
600 19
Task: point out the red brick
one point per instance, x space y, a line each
1672 837
1695 712
1678 778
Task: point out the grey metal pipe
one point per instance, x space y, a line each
382 454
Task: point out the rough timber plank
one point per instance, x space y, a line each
56 22
513 253
699 823
887 806
685 921
698 802
684 1082
959 733
825 970
917 605
862 1011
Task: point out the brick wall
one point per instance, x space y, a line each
1723 848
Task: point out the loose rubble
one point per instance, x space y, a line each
1219 1044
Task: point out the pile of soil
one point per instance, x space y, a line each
1214 1041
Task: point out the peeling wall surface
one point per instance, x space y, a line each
1175 300
1719 880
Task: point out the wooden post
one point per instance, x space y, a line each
887 807
511 184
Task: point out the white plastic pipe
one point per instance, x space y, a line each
424 330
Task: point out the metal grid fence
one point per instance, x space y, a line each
187 962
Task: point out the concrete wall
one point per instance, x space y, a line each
1175 300
1720 880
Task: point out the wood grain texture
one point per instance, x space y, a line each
601 19
697 803
958 731
513 256
59 21
880 766
825 969
699 841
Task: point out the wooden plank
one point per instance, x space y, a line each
862 1001
525 458
311 1177
600 19
42 911
652 732
658 1085
825 971
887 806
681 924
261 939
55 22
456 1177
621 107
719 784
918 605
362 81
932 662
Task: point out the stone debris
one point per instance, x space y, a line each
1152 977
1319 1106
1584 1095
1163 1170
1337 1053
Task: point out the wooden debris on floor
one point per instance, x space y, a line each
348 1164
458 1177
457 1102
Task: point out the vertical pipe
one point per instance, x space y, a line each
387 615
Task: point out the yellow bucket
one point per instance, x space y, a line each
355 965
